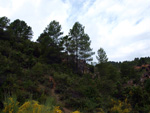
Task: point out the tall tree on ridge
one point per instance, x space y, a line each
50 41
53 34
20 30
85 52
80 44
102 57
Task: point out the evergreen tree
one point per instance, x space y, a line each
20 30
50 41
80 44
85 52
4 23
51 35
102 57
76 33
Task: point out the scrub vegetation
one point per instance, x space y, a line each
54 74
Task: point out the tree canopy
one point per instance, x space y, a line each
102 57
20 30
79 45
51 35
4 23
50 42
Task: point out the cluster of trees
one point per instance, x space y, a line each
76 44
26 65
25 68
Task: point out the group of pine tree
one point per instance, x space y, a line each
28 70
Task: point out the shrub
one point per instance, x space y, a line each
10 105
120 107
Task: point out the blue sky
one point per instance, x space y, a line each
121 27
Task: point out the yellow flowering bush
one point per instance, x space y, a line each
31 107
10 105
120 107
57 110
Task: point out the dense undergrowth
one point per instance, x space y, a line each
11 105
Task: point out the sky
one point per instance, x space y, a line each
120 27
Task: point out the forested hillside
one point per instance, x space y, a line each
54 73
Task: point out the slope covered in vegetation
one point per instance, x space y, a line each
55 66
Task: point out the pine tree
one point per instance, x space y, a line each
50 41
85 50
20 30
102 57
4 23
79 44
